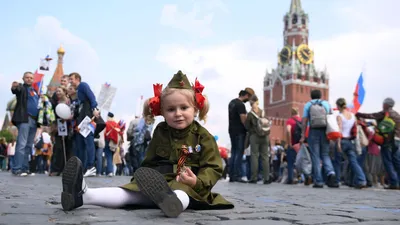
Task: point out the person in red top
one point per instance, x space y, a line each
293 133
111 134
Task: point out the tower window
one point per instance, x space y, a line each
286 23
294 20
303 21
323 78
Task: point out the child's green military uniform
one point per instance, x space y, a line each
163 154
164 151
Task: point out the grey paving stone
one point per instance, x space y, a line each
36 200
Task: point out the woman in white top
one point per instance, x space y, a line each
346 144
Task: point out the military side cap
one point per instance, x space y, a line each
180 81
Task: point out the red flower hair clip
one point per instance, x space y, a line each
198 91
155 102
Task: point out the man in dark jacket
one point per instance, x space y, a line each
84 146
24 118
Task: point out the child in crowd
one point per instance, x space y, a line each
181 166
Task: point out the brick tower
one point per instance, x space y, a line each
290 84
58 73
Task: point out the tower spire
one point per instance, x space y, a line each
295 6
58 73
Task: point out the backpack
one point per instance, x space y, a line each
384 130
317 115
297 131
3 150
263 126
387 125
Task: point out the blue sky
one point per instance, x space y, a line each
132 44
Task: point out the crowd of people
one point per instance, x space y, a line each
177 166
40 146
306 155
364 153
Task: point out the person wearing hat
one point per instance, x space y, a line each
237 132
390 149
181 166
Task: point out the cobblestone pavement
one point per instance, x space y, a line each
36 200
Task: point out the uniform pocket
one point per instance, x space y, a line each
193 159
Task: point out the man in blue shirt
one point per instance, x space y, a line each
318 142
84 146
25 119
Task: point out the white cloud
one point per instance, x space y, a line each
230 67
226 70
348 54
48 32
367 15
197 21
188 22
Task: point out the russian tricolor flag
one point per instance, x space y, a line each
38 82
359 94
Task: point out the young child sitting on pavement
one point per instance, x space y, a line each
181 166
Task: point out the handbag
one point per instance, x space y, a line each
247 140
362 137
263 126
332 129
100 126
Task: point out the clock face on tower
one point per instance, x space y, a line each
304 54
285 55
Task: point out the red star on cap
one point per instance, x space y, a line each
181 83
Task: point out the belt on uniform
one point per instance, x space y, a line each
164 169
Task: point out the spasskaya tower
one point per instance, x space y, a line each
290 83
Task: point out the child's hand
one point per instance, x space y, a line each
187 177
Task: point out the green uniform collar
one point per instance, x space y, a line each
181 133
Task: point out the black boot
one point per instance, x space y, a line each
73 185
153 184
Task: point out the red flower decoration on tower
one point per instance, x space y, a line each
198 91
155 102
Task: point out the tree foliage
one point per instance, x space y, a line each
7 135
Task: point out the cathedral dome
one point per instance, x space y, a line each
61 50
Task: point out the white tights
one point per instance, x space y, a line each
115 197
